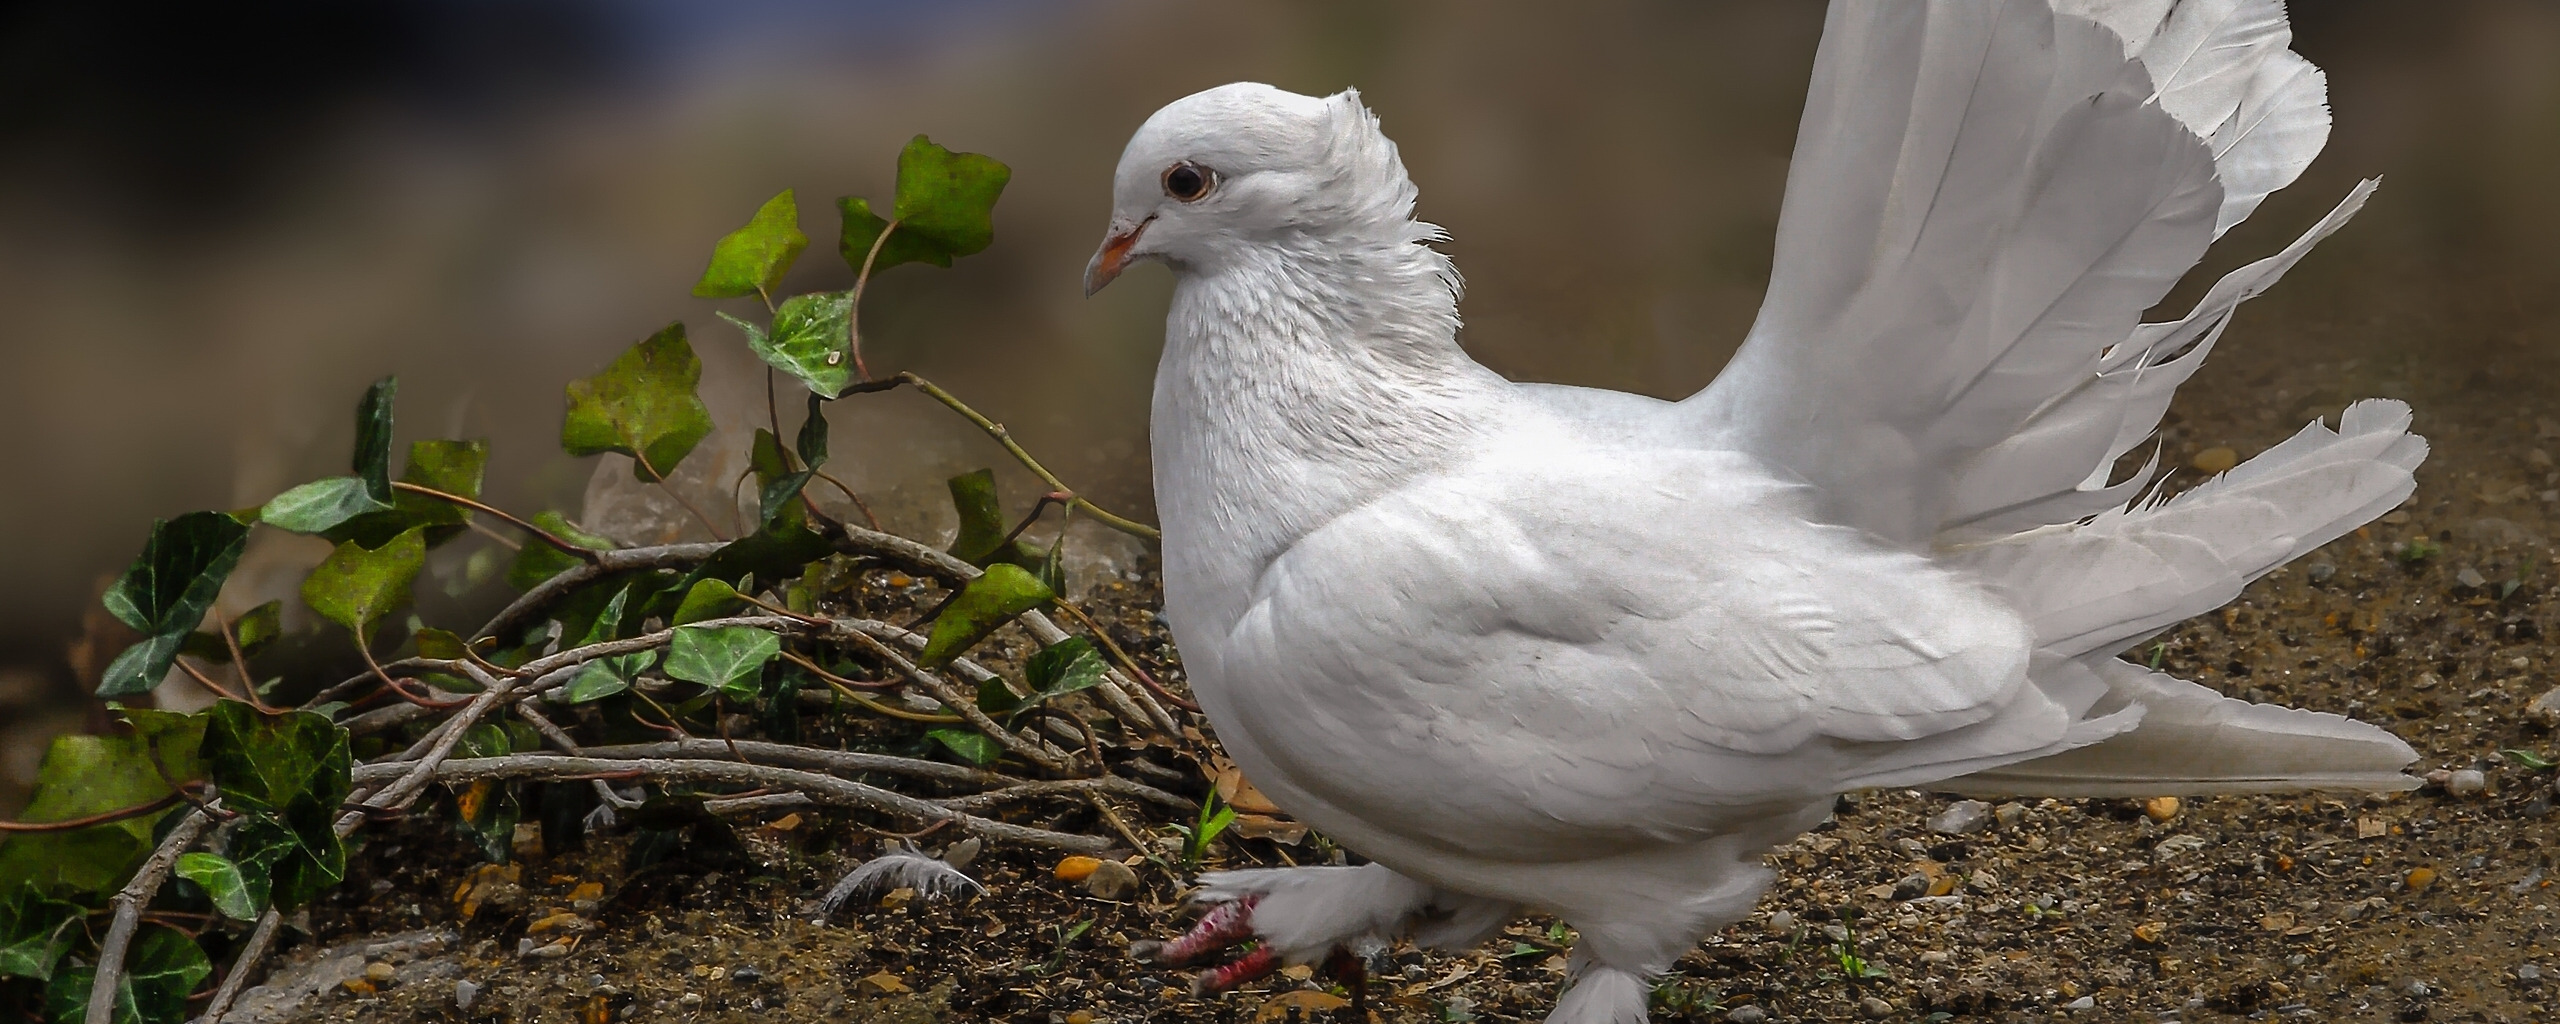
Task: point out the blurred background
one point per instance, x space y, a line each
219 222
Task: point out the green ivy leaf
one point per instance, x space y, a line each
82 776
643 406
983 527
779 552
454 467
35 931
166 592
729 659
604 677
811 340
1060 669
373 438
708 599
973 747
268 763
442 645
777 484
813 434
538 561
161 967
752 259
356 586
222 884
944 209
993 599
321 505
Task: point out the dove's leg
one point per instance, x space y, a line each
1327 915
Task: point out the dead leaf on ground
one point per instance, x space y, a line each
1306 1001
885 983
1264 826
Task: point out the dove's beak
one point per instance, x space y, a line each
1113 257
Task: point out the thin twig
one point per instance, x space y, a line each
941 690
853 319
666 556
239 661
858 504
1004 437
833 679
119 814
206 681
791 800
1109 784
1123 657
128 904
825 788
663 485
792 755
587 555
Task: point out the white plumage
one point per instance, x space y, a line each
1536 648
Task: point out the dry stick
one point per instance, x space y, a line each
942 691
790 755
665 556
853 321
824 788
538 533
128 903
792 800
119 814
260 938
1110 784
1134 706
204 680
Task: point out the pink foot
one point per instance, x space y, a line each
1224 925
1253 966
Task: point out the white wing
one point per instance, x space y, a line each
1550 654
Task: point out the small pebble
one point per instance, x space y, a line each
1112 880
2009 814
2160 808
2466 782
2149 933
1874 1007
2320 572
747 975
1961 817
2470 577
2418 878
2546 708
2084 1003
2529 973
1077 868
1782 923
1746 1014
689 1000
380 973
2217 459
465 993
1911 887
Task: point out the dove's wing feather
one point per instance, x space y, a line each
1547 652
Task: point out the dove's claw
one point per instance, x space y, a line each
1224 925
1253 966
1353 972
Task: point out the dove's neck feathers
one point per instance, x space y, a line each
1299 380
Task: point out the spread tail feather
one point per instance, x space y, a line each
2192 740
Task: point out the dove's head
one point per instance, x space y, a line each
1247 167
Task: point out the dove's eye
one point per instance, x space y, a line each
1188 181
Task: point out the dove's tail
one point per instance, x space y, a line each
2093 588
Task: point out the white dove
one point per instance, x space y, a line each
1531 648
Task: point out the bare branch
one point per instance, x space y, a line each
128 903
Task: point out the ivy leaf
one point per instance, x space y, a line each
321 505
538 561
488 812
222 884
752 259
993 599
82 776
810 340
708 599
35 931
813 434
776 483
603 677
356 586
443 645
729 659
777 552
266 764
643 406
454 467
161 967
972 746
981 540
373 438
944 209
253 631
166 591
1060 669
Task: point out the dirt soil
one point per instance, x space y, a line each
2434 905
